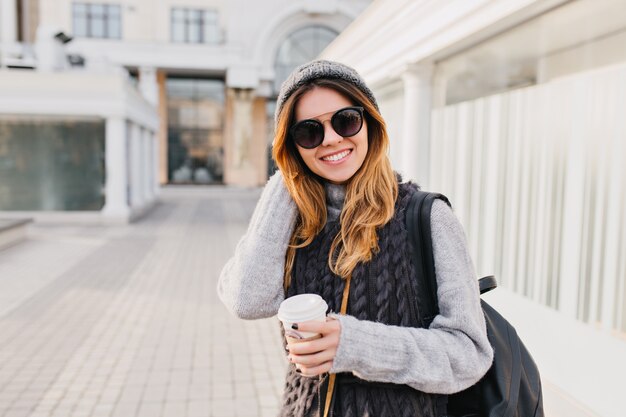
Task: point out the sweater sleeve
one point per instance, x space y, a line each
451 355
251 282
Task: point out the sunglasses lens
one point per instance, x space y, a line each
347 122
308 134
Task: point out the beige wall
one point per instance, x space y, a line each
29 20
249 169
259 139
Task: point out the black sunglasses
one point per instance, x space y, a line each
346 122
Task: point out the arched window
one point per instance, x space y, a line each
299 47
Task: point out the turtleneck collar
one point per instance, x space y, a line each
335 197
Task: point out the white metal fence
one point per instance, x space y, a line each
536 175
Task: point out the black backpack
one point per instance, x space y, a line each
512 386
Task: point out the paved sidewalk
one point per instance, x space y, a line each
123 321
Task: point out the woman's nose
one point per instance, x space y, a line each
330 136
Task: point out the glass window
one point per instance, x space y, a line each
79 8
195 26
195 130
114 21
211 27
96 29
114 29
79 17
179 14
97 20
51 164
210 16
114 11
97 10
178 25
299 47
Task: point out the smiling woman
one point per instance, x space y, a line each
331 222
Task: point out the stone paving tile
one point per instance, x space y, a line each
55 256
124 321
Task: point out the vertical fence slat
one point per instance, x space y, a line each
447 155
513 180
462 162
616 187
540 212
524 193
435 148
573 201
596 228
489 190
502 180
476 184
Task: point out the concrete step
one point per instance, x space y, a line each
12 231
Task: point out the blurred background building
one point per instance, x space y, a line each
515 110
100 102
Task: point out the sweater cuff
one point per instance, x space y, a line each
275 214
352 344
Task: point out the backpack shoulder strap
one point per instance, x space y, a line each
418 226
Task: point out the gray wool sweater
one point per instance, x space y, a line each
451 355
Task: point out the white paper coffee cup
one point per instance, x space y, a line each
299 308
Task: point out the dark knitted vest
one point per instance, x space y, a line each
382 290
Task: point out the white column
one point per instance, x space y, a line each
154 139
573 219
148 84
417 80
8 18
136 194
146 165
8 27
116 175
49 50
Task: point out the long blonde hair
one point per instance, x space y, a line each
370 194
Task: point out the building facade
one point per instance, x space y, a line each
210 66
210 69
513 110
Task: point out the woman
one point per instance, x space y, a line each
335 211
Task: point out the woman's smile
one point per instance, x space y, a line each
338 157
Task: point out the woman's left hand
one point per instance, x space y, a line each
316 357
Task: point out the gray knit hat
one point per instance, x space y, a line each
315 70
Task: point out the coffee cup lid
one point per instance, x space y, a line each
302 307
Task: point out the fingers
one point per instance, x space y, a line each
313 346
313 359
315 370
324 328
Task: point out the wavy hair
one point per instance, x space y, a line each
370 193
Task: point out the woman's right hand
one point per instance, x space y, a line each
251 282
316 357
